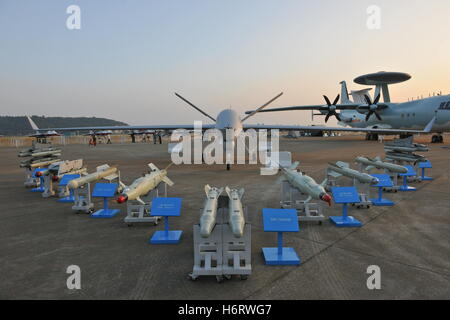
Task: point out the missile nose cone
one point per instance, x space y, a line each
38 174
327 198
122 199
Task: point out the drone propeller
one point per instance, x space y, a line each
373 107
332 108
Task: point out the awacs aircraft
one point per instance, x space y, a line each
229 119
38 134
365 113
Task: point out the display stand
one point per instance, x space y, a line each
411 173
63 188
345 196
166 207
280 220
40 187
141 213
423 166
105 191
82 199
384 181
291 198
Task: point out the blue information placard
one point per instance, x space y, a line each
280 220
166 207
425 164
67 178
345 195
105 190
411 172
384 180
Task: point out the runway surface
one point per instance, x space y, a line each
40 238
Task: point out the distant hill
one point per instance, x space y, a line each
15 126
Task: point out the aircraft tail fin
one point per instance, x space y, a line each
32 124
344 93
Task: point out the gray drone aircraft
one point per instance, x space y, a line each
229 119
365 113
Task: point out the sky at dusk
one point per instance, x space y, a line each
129 57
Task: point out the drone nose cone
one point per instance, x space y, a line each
122 199
327 198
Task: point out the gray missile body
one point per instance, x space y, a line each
209 214
345 170
407 157
236 218
377 163
306 184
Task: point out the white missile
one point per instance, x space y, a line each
208 217
408 157
306 184
236 218
377 163
144 185
344 169
102 172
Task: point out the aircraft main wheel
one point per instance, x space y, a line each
228 167
441 139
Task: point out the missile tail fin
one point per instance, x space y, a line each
241 192
228 191
294 165
153 167
168 181
207 189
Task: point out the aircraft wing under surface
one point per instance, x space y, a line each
149 127
342 129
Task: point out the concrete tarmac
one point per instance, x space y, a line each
40 238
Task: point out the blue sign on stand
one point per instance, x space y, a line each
280 220
64 182
425 165
105 191
384 181
166 207
411 173
40 188
345 196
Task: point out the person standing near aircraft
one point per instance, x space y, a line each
109 139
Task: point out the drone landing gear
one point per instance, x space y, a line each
371 136
437 138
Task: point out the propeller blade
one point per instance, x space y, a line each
195 107
327 100
377 115
337 99
327 117
369 102
368 115
262 107
337 116
377 99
